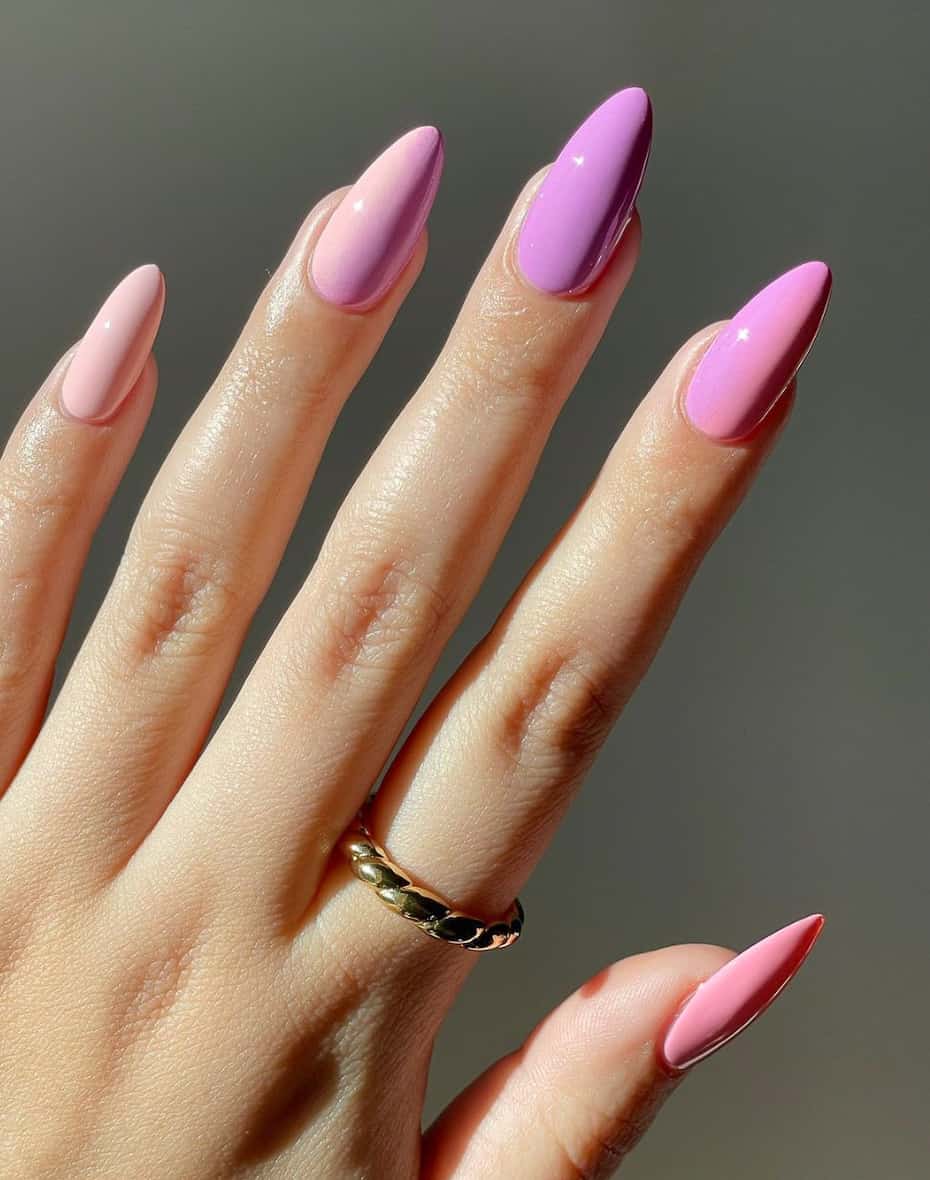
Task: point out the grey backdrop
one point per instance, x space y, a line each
774 761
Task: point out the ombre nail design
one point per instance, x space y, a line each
734 996
586 199
114 349
752 360
370 237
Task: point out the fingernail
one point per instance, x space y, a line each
752 359
586 199
110 357
735 995
369 239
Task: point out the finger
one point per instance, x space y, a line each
480 785
58 472
213 525
581 1091
406 553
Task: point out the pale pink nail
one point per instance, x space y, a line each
752 359
369 239
735 995
114 349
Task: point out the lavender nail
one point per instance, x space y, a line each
585 201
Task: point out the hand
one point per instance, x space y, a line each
194 983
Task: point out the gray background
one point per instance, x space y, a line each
774 761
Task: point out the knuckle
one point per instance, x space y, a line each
28 644
380 614
180 592
150 989
484 386
554 714
662 503
670 522
512 364
26 668
33 519
43 504
265 373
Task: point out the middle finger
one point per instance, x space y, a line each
328 698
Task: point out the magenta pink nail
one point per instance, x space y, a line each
752 360
734 996
586 199
114 349
369 239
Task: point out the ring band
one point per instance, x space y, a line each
426 909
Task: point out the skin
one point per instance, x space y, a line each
191 984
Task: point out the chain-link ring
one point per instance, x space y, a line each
426 909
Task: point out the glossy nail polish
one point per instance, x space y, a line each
110 357
371 235
735 995
752 359
587 197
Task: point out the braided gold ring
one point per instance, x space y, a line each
426 909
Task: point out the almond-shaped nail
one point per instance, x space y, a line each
752 360
586 199
110 357
734 996
370 237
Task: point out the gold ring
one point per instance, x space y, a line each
433 914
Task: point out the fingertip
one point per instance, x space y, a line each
628 1003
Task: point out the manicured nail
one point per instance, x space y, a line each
369 239
586 199
734 996
114 349
752 360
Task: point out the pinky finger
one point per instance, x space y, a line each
578 1095
58 471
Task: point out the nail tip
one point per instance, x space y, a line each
427 138
625 110
148 275
630 97
812 926
812 280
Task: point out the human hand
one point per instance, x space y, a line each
194 982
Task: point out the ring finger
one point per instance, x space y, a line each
478 788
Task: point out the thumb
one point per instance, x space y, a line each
579 1093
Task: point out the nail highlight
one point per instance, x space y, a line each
114 349
752 360
586 199
734 996
370 237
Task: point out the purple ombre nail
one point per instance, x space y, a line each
584 203
369 239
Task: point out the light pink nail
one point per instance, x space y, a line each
369 239
752 360
735 995
114 349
